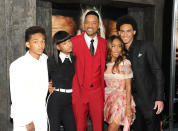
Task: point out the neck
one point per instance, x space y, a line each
113 59
127 45
34 55
66 53
92 36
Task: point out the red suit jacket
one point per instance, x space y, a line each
79 50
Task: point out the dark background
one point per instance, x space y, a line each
154 18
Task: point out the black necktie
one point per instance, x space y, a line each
92 50
67 61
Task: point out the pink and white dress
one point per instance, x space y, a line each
115 93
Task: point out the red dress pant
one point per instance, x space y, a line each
90 101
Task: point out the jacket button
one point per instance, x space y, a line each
91 85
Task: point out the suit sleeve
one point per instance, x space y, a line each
156 71
105 44
79 65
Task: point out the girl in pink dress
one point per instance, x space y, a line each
119 106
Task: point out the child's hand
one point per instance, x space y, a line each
50 88
126 125
30 127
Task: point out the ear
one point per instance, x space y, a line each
118 33
99 25
58 47
134 32
83 25
27 44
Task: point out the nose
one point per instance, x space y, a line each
40 44
124 33
116 49
69 44
90 24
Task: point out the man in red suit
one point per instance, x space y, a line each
88 82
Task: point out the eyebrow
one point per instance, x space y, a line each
37 39
126 30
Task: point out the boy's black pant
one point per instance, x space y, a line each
60 112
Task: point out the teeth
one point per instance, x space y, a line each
90 29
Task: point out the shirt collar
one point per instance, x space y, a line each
88 39
32 58
62 56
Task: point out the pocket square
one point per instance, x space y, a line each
139 55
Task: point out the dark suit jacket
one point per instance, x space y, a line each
148 83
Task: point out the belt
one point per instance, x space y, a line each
64 90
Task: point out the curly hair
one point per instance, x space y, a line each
126 20
121 56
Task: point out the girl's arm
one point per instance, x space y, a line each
129 113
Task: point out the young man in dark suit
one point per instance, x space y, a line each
148 83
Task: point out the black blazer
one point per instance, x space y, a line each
148 82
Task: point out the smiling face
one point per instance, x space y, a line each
127 33
116 48
36 45
65 47
91 25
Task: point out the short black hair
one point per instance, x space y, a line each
60 37
33 30
92 13
126 20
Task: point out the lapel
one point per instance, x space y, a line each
134 51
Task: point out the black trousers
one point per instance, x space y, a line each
148 121
59 109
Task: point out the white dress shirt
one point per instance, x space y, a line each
63 56
28 88
88 41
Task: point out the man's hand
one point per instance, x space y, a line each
50 88
159 105
30 127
